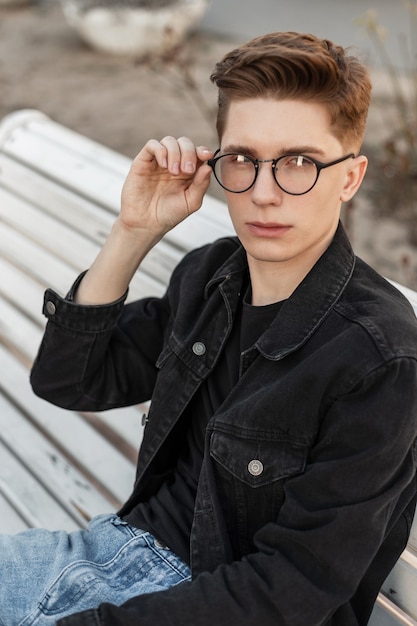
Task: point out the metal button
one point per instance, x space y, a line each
50 307
255 467
159 544
199 348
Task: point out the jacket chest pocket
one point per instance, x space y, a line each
258 463
250 478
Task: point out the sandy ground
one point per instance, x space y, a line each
122 103
112 99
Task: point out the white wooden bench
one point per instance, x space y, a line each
59 194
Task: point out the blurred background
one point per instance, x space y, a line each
122 99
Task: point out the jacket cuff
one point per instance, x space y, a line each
71 294
86 618
81 317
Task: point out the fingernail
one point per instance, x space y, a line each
189 167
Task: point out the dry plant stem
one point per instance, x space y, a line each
397 90
191 84
177 70
392 181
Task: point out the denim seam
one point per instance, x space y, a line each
160 553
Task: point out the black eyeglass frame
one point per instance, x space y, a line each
319 166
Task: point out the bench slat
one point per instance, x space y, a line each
89 176
34 260
70 432
38 123
408 293
413 535
33 453
47 196
401 584
53 254
386 613
34 505
10 521
17 331
22 330
23 293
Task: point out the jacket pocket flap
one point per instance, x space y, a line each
258 463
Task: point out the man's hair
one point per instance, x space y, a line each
297 66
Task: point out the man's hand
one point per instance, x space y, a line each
166 183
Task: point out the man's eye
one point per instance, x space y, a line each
241 158
298 161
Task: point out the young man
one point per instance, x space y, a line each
277 476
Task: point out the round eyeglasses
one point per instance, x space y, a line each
295 174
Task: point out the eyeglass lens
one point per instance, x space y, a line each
294 174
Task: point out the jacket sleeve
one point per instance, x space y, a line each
308 563
95 358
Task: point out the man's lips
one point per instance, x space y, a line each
268 229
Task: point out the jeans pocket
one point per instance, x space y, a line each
78 588
135 569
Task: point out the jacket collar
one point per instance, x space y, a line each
235 265
312 301
309 304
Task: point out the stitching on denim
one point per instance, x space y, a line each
162 552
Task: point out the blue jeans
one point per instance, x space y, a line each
46 575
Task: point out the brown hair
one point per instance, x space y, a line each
296 66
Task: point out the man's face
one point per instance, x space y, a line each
290 232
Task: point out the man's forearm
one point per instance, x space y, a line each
109 277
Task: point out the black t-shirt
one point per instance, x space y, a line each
168 515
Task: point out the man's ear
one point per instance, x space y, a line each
354 177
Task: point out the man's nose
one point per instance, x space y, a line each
265 189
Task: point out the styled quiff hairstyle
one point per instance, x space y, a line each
295 66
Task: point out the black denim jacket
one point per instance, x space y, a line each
308 484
